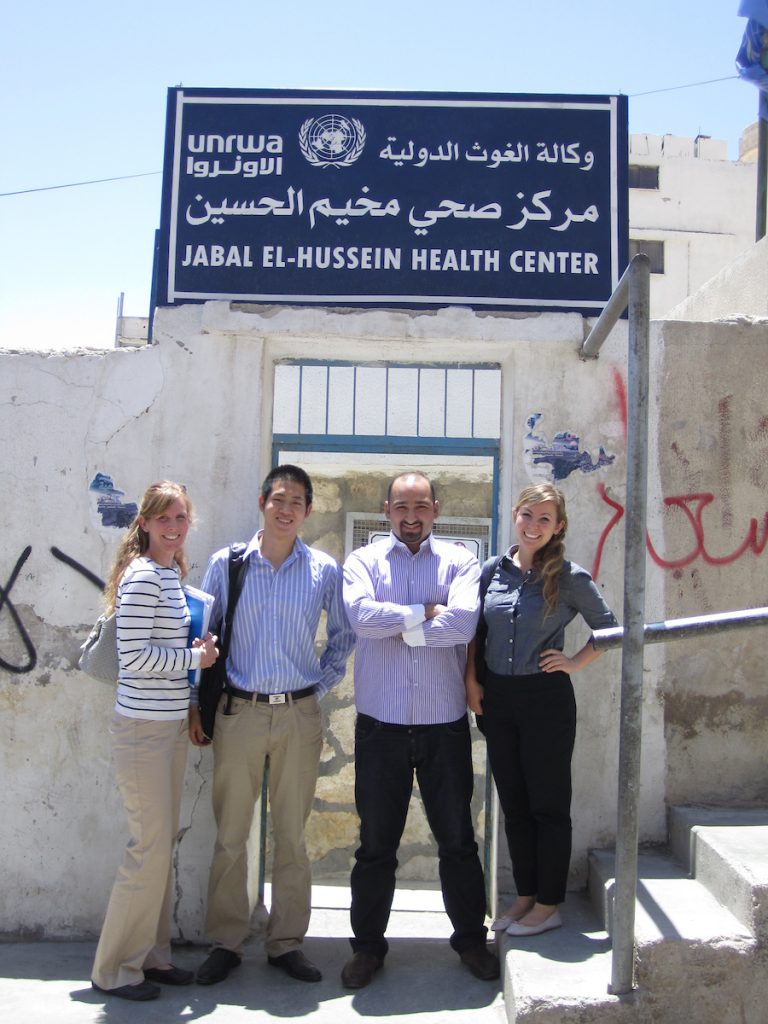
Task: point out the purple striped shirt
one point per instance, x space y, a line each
418 680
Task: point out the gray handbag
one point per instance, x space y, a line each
99 657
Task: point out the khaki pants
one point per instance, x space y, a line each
150 758
290 736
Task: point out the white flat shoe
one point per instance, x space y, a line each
501 923
523 930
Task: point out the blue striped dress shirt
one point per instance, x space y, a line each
276 620
408 670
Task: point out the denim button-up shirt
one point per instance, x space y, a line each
519 628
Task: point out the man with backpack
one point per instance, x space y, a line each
269 709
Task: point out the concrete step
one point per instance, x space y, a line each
563 975
696 961
702 957
671 906
726 850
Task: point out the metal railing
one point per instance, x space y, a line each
633 290
684 629
622 963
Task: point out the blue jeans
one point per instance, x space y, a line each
386 757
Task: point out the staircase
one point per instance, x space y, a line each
701 924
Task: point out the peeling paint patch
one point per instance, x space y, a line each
109 502
562 454
695 715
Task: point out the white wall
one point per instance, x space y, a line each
737 291
196 407
703 211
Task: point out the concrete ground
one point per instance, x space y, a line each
422 979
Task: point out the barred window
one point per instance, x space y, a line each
643 176
654 250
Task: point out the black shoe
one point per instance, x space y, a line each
359 971
169 976
139 993
481 962
218 965
297 965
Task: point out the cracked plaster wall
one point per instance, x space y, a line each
196 407
711 478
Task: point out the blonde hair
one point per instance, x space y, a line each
157 498
548 561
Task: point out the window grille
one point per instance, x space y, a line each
475 532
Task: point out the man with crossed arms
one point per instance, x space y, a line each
413 603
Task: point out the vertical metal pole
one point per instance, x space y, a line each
634 616
762 171
263 834
153 288
119 319
491 843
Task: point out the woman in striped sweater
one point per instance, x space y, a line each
149 740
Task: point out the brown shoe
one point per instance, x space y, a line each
359 971
481 962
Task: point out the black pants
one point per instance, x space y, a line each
386 757
530 726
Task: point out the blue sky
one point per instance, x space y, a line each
84 86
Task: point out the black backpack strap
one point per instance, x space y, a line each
486 575
237 568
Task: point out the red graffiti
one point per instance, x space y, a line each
692 506
621 396
617 515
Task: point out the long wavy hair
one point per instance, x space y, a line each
157 498
548 561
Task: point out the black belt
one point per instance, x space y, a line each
269 698
396 727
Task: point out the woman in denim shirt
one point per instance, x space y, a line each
518 679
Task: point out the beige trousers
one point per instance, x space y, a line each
150 758
290 736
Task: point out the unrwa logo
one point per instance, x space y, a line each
332 140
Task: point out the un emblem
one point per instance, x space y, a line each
332 140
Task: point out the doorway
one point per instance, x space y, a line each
336 420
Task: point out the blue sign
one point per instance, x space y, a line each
511 202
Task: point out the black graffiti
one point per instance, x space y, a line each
70 561
7 605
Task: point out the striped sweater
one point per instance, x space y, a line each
153 643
